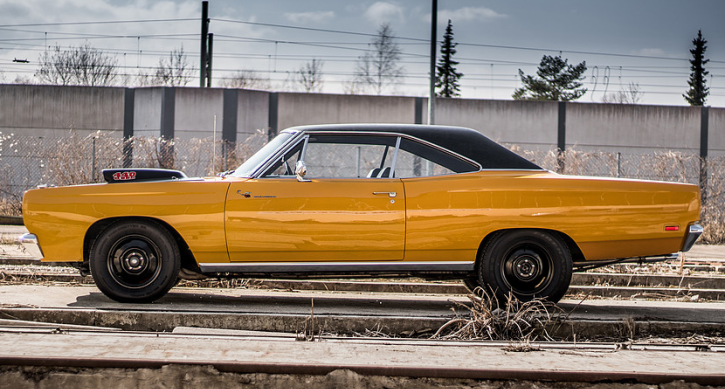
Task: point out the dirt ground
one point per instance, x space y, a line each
182 377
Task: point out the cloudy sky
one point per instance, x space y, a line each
644 42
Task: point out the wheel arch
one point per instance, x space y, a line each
576 253
187 257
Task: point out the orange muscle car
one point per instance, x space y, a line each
360 200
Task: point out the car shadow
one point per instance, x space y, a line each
689 312
266 302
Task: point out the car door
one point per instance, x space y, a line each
343 213
443 203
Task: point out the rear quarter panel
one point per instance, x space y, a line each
61 216
448 216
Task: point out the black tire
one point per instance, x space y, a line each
135 261
530 264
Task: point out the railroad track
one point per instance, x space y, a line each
123 354
377 304
595 284
257 328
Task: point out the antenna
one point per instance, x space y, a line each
607 72
595 75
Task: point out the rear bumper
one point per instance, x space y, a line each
693 232
31 246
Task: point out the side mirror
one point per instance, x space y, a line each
301 171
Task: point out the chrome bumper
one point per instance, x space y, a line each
693 233
31 246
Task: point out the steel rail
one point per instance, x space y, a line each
250 335
395 371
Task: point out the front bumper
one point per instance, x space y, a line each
31 246
693 232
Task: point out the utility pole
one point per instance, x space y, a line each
208 61
432 92
204 37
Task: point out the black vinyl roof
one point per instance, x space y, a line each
464 141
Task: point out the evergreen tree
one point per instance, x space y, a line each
697 94
557 80
446 75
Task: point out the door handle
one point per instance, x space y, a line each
391 194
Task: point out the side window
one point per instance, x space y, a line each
416 159
285 166
349 156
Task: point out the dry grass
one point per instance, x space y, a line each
310 331
484 318
29 161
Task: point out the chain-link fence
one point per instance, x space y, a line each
26 162
660 166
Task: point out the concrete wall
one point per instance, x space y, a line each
632 128
716 135
52 111
252 112
38 110
195 111
529 124
147 112
303 108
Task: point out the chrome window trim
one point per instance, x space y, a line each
305 135
395 158
292 142
303 153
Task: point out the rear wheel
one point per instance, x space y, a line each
135 261
528 264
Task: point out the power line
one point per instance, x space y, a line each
99 22
461 43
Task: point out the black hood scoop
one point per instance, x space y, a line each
113 176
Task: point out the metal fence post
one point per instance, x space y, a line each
704 132
619 164
93 158
561 138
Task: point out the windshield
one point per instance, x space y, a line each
250 165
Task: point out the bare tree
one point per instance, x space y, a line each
352 87
141 79
379 68
246 79
82 65
310 76
174 70
631 94
22 80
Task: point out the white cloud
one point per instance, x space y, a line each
309 17
650 52
467 14
384 12
137 44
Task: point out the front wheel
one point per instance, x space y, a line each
135 261
529 264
